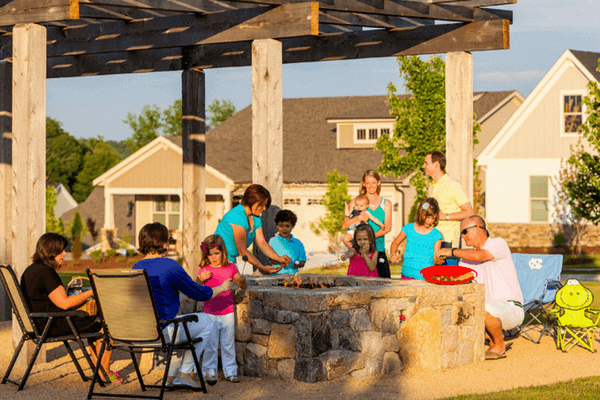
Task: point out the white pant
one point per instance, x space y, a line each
204 328
225 331
508 312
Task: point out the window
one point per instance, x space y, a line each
538 189
572 113
370 132
167 211
291 202
314 202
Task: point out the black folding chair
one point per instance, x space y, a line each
30 332
131 324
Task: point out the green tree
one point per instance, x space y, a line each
99 159
145 127
583 186
335 199
76 230
64 155
172 119
420 120
219 112
53 224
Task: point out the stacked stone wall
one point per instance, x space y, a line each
539 235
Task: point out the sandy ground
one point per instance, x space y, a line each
527 364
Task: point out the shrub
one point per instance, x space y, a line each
111 252
559 239
122 259
130 252
97 256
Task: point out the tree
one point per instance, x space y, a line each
420 120
64 155
76 230
219 112
99 159
145 127
172 119
53 224
335 199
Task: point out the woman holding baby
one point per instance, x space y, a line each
381 209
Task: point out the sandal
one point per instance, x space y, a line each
114 377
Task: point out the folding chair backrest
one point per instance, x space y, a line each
124 297
17 300
533 272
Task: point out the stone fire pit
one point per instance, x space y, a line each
358 327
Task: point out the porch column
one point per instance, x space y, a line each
459 119
5 179
267 117
29 150
108 233
194 167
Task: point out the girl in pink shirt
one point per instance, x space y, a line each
215 268
363 254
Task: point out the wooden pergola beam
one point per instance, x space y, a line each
476 36
27 11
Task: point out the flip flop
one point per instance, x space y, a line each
492 355
508 346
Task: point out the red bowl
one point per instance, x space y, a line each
446 270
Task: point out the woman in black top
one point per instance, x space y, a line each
44 292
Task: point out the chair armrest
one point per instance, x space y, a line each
555 311
554 284
60 314
180 318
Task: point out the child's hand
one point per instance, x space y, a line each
364 249
205 275
395 257
343 257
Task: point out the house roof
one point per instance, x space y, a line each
309 144
589 60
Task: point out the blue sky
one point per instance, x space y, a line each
542 30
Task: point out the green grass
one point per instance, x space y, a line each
342 269
580 389
65 277
594 262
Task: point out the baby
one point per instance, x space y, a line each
361 203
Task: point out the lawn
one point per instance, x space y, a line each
342 269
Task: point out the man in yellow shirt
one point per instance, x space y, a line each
454 203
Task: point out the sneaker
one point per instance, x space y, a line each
185 380
233 379
211 377
170 380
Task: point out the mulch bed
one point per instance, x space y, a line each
111 262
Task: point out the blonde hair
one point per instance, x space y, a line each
428 208
374 174
209 243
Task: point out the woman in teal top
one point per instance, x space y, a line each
381 209
241 226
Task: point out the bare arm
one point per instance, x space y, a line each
222 288
268 250
436 248
466 210
60 299
480 255
348 254
375 220
241 281
394 247
388 220
371 261
348 222
241 242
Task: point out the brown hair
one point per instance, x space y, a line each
207 244
362 197
428 208
439 157
286 216
370 234
256 194
152 239
374 174
48 246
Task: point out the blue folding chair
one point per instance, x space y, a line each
539 278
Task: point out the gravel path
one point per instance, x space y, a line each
527 364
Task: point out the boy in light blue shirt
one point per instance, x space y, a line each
284 244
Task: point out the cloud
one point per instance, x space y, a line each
505 76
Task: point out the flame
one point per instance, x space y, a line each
297 279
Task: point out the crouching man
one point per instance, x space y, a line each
492 260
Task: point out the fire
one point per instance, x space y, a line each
309 282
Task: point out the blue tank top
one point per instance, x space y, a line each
379 213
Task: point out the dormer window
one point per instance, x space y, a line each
571 113
370 132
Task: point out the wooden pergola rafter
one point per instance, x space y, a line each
42 39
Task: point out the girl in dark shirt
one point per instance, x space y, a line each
44 292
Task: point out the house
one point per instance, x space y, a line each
320 135
64 200
521 159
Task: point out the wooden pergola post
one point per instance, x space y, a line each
5 178
29 150
194 167
459 119
267 117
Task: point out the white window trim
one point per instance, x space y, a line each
561 125
370 125
539 198
167 212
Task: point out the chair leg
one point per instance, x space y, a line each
137 370
33 358
97 368
83 377
13 361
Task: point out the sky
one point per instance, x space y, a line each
542 30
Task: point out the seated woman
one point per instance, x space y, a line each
44 292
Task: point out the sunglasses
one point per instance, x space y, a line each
464 231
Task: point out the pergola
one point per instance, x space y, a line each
70 38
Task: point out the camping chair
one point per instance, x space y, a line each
574 325
131 324
539 279
31 332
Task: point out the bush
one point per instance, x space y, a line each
130 252
122 259
111 252
97 256
559 239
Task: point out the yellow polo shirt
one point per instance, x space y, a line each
450 196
